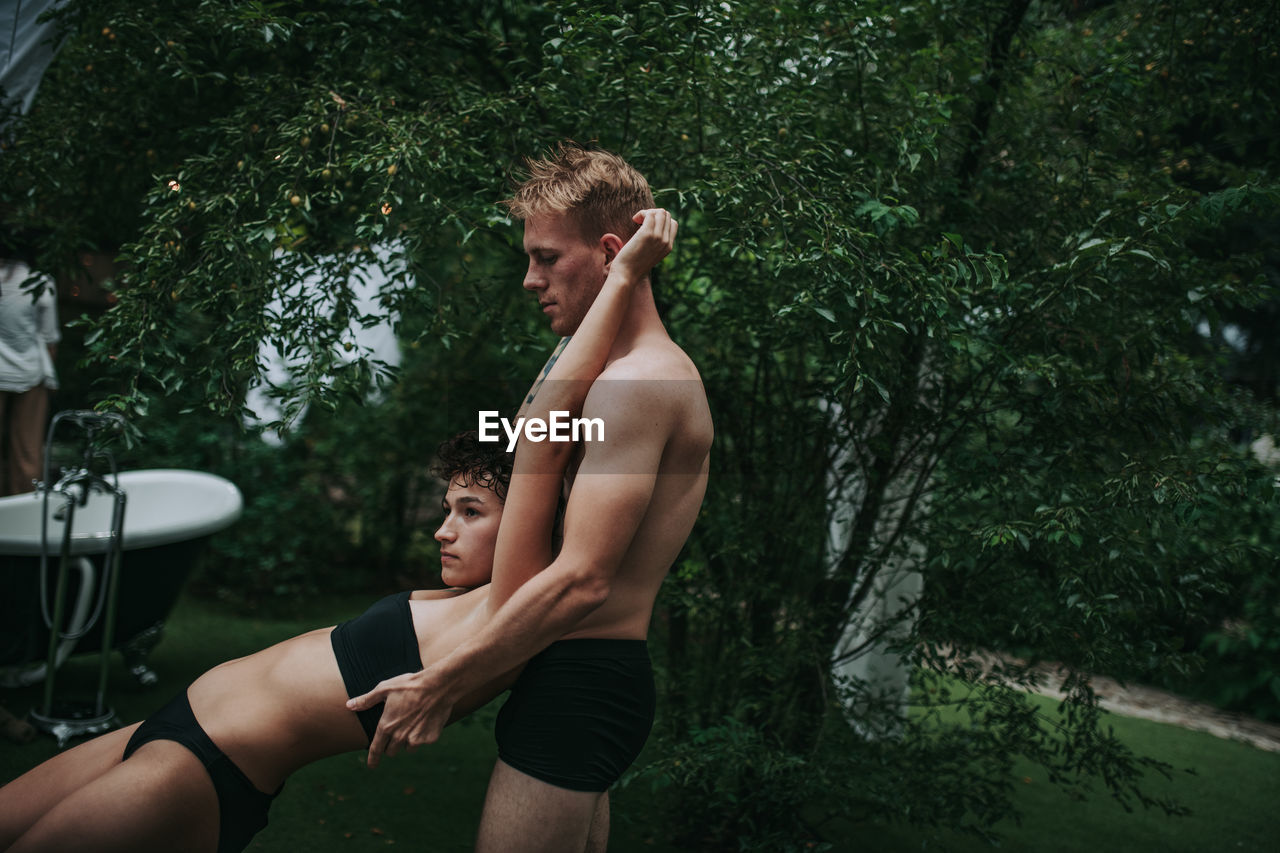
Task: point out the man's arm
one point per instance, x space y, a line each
610 497
523 546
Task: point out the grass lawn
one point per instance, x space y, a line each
430 801
1232 790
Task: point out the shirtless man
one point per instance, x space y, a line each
582 707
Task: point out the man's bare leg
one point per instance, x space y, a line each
525 815
598 836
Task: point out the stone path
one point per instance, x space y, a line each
1148 703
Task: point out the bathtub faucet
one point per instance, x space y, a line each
89 419
77 485
92 423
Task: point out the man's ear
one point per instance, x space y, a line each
612 244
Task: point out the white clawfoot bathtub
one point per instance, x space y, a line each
169 514
165 505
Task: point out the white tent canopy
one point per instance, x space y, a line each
378 341
26 48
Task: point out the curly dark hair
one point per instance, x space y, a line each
474 462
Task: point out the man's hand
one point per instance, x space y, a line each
418 707
648 246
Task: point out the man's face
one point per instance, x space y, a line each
468 534
565 271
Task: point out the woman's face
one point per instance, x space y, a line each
468 533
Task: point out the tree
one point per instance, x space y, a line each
951 256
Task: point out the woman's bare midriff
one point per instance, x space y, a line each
279 709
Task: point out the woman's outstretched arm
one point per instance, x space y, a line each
524 538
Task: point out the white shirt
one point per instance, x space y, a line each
27 329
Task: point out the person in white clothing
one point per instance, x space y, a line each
28 338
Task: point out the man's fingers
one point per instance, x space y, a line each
384 744
376 747
653 217
659 223
665 225
368 700
380 692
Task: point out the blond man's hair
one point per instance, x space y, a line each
598 190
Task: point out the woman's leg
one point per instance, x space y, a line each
26 799
160 799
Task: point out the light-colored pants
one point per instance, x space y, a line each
25 416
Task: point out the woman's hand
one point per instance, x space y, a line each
648 246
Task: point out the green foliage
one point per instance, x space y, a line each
1239 638
1240 670
949 265
289 539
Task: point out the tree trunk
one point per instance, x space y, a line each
989 94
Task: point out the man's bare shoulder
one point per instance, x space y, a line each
659 359
656 388
650 378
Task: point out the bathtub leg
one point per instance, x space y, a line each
138 649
